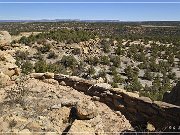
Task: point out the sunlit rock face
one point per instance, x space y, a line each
5 37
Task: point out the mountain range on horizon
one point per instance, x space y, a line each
74 20
59 20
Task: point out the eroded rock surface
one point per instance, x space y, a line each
45 107
8 68
5 37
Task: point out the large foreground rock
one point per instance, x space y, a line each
5 37
4 79
80 127
86 110
45 107
173 97
8 68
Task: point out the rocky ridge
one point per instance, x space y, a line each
42 102
44 106
138 109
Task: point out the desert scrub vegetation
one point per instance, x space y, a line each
23 62
45 48
105 60
52 55
27 67
134 85
64 35
69 61
116 61
42 66
127 53
106 46
18 93
93 60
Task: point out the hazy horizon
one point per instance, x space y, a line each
91 11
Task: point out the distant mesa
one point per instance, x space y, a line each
59 20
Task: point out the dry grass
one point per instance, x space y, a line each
17 94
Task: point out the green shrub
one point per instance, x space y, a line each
115 60
40 66
91 71
172 75
24 40
52 55
27 67
69 61
118 79
20 55
93 60
114 85
45 48
144 65
113 70
38 56
134 85
131 73
65 35
56 68
140 57
148 75
102 73
106 46
105 60
119 50
76 51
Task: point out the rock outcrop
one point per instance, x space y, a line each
138 109
5 37
81 127
86 110
173 96
46 106
35 105
4 79
8 68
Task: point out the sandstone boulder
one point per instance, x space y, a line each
80 127
34 126
103 85
25 131
86 110
4 79
68 102
5 37
150 127
6 57
4 126
7 64
46 75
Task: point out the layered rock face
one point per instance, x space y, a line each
8 68
42 105
173 96
5 37
141 110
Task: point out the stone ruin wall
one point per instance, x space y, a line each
137 109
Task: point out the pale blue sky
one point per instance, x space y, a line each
122 12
